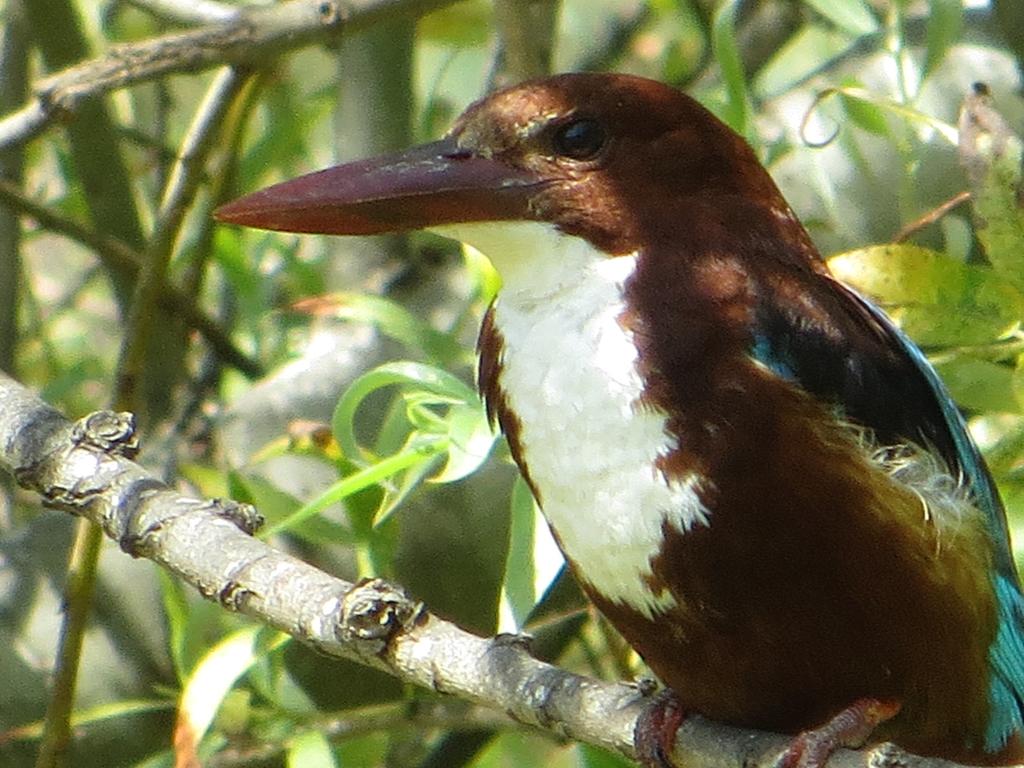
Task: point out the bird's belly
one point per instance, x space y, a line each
820 580
569 375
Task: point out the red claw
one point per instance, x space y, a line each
654 736
851 727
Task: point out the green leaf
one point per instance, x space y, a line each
470 439
217 672
190 622
370 751
806 52
460 26
277 507
1018 382
991 154
176 613
518 592
208 480
481 273
417 375
978 385
925 123
736 111
446 418
417 451
310 749
395 321
945 22
1012 491
421 412
938 301
412 478
864 113
533 561
284 142
957 236
854 16
1000 436
592 757
235 712
235 253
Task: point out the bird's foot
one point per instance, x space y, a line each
849 728
654 735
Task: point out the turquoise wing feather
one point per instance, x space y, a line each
881 379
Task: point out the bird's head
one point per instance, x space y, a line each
611 159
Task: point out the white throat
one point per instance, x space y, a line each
569 373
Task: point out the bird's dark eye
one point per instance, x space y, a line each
581 139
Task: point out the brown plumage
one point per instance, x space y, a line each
824 531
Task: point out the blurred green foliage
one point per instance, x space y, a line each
366 445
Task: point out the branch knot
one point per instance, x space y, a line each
107 431
375 612
244 516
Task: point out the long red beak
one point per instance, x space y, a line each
425 186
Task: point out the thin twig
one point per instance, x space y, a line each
415 717
526 29
115 253
14 50
219 178
100 167
79 587
932 216
21 125
178 194
254 36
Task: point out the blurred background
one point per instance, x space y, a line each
329 380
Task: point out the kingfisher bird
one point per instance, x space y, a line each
753 474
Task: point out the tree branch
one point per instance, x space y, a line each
85 469
526 29
250 37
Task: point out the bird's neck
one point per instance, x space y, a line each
536 262
559 366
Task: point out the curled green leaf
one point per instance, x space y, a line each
938 301
990 153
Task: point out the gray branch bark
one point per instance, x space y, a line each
85 468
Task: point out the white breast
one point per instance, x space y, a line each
569 374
